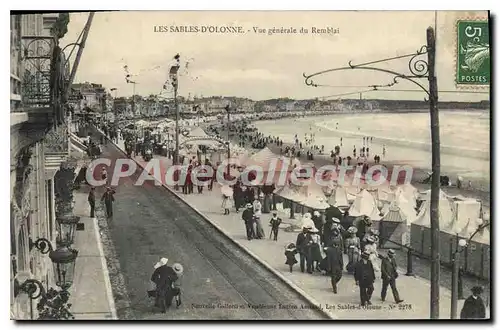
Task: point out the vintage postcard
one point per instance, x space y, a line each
250 165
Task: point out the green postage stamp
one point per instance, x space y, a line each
473 53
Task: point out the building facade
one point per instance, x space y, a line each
39 144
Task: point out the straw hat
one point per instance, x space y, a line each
391 252
163 261
290 247
314 230
178 269
316 213
352 230
336 220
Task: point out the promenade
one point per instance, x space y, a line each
91 295
345 305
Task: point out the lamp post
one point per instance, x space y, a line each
456 283
419 68
174 78
227 108
114 106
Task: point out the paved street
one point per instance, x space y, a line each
150 223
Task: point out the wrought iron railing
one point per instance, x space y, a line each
37 53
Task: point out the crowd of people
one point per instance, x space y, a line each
359 242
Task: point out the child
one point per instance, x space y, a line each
275 223
290 252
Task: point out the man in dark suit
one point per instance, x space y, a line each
474 306
364 275
108 200
91 199
247 217
389 272
335 264
302 245
163 277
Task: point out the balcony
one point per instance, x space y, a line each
43 80
37 93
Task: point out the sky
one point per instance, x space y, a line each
263 66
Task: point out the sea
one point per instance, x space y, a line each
406 137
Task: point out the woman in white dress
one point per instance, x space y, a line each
257 213
371 248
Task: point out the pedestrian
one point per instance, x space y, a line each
353 247
371 248
257 212
275 224
336 237
175 292
318 222
315 247
290 252
247 217
364 275
474 307
91 200
389 271
334 264
225 204
108 200
302 247
104 174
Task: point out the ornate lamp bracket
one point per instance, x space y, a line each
42 244
418 68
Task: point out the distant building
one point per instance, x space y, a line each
93 96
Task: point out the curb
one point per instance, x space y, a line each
105 271
288 282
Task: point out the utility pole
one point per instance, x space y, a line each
133 98
228 138
436 173
175 83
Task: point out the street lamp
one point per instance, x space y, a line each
456 279
63 260
174 78
419 68
228 110
67 229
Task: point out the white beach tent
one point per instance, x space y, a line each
365 204
445 212
409 192
290 192
262 158
312 195
338 197
403 206
197 132
464 212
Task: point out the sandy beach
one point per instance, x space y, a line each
414 151
476 169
